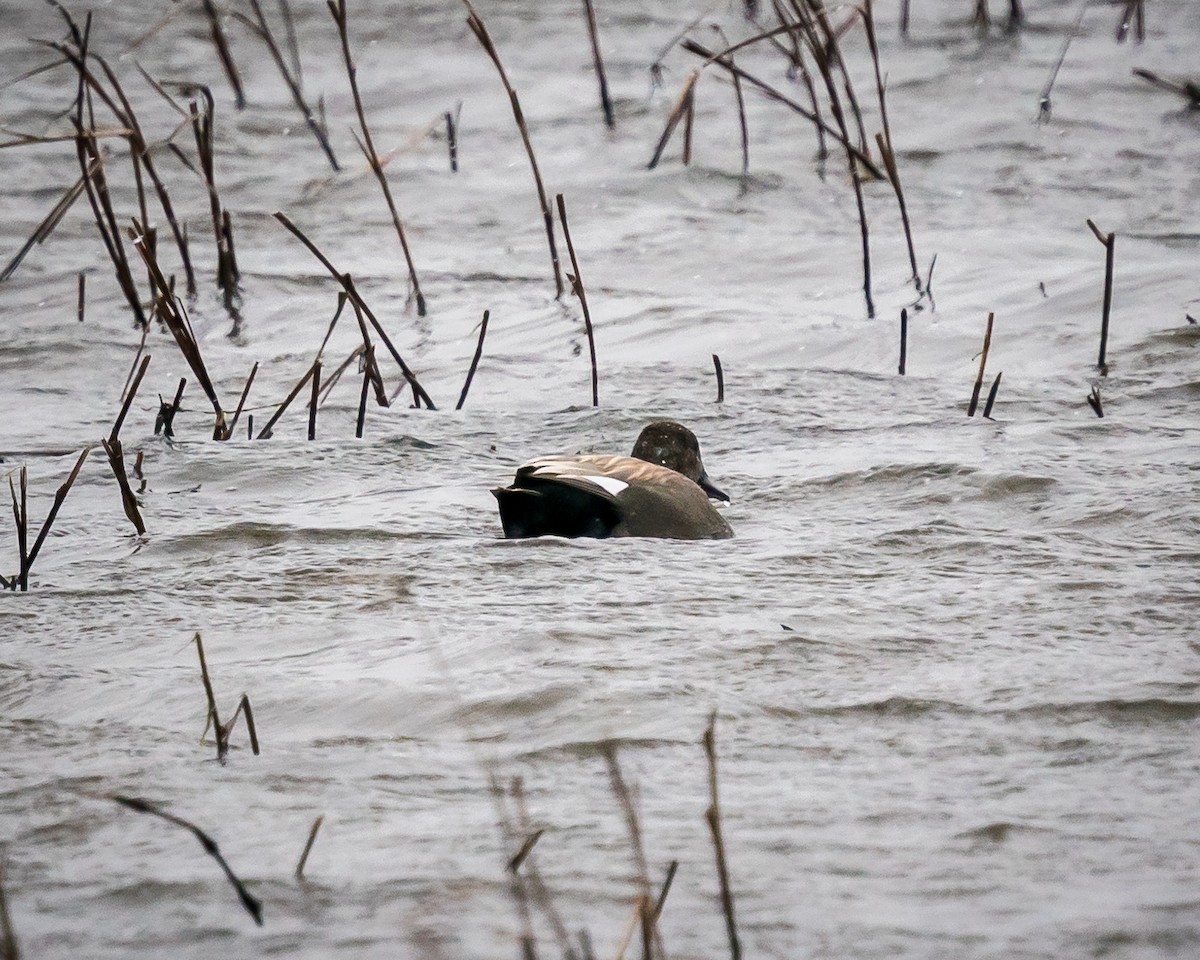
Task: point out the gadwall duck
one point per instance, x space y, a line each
661 490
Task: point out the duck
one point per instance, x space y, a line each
660 490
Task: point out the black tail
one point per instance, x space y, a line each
555 510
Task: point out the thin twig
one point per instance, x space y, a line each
577 287
462 397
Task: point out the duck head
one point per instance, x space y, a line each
674 446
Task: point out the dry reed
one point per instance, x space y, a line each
1109 242
481 34
983 355
577 288
462 397
252 904
308 845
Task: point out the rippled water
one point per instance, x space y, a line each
954 660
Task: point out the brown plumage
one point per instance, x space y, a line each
662 490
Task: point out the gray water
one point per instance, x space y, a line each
954 661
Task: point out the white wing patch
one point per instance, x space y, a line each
611 484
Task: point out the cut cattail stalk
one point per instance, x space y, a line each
577 287
293 82
308 845
241 401
59 496
223 54
312 404
165 421
983 354
681 108
1109 242
452 139
481 34
265 433
903 340
462 397
338 9
357 301
720 378
82 298
991 397
116 455
368 363
713 816
598 63
21 518
251 903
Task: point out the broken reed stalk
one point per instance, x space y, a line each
165 421
223 54
265 432
116 455
21 518
666 888
452 141
82 295
1135 14
884 139
481 34
689 127
243 707
212 715
983 354
1109 242
202 128
515 877
537 886
308 845
462 397
338 9
368 363
682 107
45 228
721 60
904 18
645 913
598 62
59 496
1093 400
356 300
825 52
1044 96
312 404
251 903
991 397
138 147
713 816
577 288
720 378
740 97
903 339
263 29
241 401
171 312
1189 89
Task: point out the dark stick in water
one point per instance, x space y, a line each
713 816
308 845
252 904
720 378
223 54
987 343
452 140
265 432
462 397
903 339
1094 401
991 397
577 287
356 300
598 63
481 34
312 403
82 299
368 363
59 496
241 401
338 9
1109 242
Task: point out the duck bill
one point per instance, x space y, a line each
714 492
